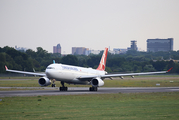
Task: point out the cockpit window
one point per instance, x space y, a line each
50 68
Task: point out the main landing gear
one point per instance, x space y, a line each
63 88
93 89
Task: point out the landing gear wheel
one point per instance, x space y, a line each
63 88
93 89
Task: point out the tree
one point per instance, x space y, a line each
3 57
108 69
12 52
42 53
70 60
159 65
31 53
93 60
149 68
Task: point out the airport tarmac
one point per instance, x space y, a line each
80 90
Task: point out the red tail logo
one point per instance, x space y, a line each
102 64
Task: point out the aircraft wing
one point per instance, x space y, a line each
84 78
131 74
23 72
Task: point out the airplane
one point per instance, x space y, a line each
79 75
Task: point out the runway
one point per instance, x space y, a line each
81 90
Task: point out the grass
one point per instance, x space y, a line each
139 81
126 106
137 106
21 77
143 82
19 83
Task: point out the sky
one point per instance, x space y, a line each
93 24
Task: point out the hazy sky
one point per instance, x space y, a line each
93 24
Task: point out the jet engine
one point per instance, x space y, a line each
44 81
97 82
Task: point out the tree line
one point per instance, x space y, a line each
132 61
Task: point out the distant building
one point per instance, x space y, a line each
57 49
95 51
119 51
80 51
155 45
133 45
112 52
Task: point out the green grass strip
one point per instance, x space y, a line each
136 106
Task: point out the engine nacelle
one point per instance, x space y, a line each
97 82
44 81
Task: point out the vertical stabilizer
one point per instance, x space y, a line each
102 64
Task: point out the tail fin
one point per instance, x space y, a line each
102 64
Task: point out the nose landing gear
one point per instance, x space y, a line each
53 85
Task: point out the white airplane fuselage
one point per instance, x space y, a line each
69 74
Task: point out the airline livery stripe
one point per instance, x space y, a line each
69 68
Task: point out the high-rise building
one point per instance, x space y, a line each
57 49
155 45
80 51
133 45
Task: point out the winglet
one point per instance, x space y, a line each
6 67
170 69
